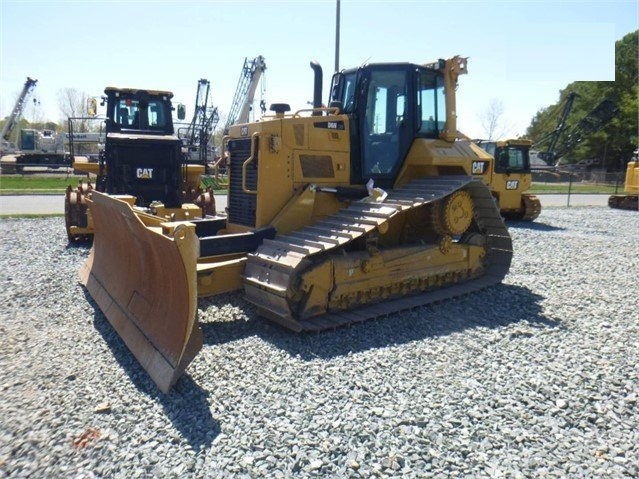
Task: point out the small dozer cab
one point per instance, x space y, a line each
141 157
335 215
511 177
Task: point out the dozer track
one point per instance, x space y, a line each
532 207
624 202
273 276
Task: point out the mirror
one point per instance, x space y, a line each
92 107
181 111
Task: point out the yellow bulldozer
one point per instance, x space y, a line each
629 199
510 178
336 214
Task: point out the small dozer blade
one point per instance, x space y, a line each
145 284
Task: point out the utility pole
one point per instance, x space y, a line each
337 38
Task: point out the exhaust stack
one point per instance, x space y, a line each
317 86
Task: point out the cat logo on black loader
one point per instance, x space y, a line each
144 173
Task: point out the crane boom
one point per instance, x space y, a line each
598 117
13 119
549 155
204 122
245 92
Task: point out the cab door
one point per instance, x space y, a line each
385 123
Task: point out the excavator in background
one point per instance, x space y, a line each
629 200
140 155
511 177
335 215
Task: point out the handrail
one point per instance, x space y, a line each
331 110
254 137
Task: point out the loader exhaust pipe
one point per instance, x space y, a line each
317 87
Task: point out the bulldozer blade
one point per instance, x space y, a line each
145 284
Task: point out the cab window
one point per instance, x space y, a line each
511 159
431 104
136 115
126 112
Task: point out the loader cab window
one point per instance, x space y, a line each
156 115
431 104
384 124
141 115
127 112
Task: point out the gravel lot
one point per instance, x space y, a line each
537 377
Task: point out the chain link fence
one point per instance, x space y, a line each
577 180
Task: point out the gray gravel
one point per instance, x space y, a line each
537 377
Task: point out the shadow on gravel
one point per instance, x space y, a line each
533 226
492 308
78 245
186 406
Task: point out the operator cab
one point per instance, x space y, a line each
139 111
142 155
389 105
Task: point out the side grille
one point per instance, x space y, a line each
242 206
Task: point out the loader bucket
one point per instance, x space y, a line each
145 284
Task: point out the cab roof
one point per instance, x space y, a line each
136 91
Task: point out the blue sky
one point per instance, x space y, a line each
521 53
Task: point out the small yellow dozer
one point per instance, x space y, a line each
511 178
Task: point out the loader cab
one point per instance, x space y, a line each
139 111
142 153
389 106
